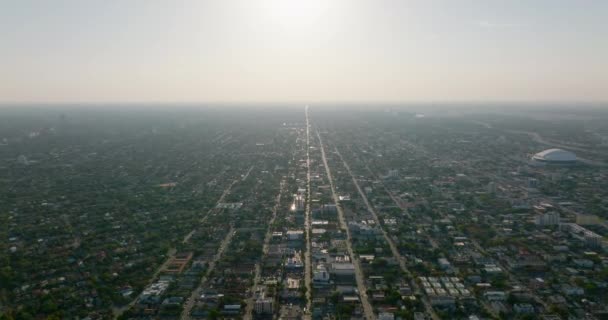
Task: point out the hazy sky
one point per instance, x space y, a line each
303 51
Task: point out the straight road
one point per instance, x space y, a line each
117 312
198 291
258 269
389 240
367 308
247 174
307 253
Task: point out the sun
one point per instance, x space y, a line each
295 13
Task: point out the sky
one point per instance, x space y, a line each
303 51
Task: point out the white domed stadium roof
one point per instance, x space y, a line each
555 155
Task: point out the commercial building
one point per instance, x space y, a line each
320 275
548 219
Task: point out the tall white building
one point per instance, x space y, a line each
300 202
393 173
548 219
492 187
263 305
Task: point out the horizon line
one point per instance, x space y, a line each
303 103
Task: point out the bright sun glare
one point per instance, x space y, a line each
295 13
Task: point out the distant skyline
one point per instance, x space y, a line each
303 51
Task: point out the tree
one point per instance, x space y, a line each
214 314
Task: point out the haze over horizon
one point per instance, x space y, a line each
303 159
303 51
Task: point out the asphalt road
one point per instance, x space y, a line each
367 308
117 312
258 268
389 240
190 302
307 259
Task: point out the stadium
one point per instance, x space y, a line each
555 157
